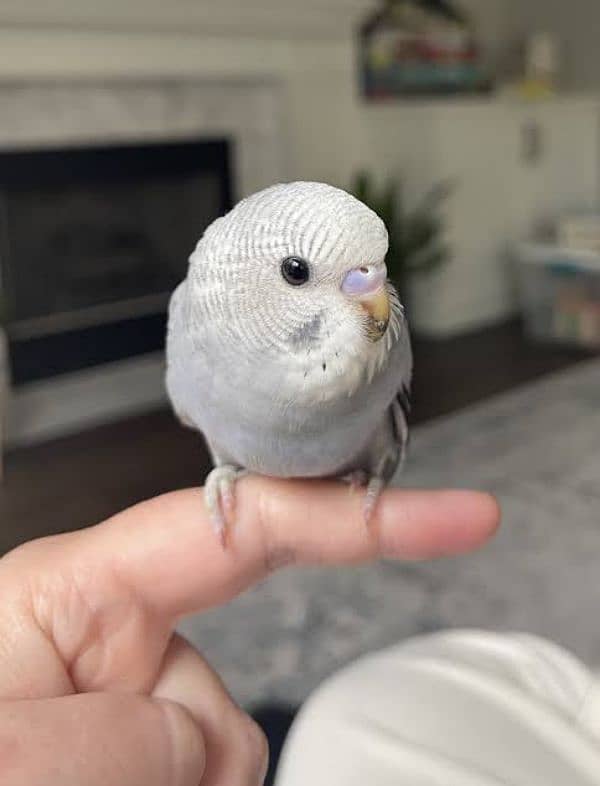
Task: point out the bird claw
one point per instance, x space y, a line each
358 478
227 498
219 497
375 487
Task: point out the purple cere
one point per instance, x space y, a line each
365 280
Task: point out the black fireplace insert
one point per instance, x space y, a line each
92 242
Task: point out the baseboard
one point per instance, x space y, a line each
71 402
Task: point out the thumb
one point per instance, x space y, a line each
99 738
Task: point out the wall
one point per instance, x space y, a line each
497 22
307 46
576 23
500 195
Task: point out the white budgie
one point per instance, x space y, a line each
288 348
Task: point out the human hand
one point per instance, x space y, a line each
95 687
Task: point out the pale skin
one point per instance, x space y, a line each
95 686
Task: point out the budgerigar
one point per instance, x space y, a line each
287 346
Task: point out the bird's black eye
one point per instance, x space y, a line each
295 271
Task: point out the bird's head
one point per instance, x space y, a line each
296 274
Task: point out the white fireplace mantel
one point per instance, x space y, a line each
64 114
264 72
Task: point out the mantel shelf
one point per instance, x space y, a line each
321 18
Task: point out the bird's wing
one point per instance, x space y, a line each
400 411
187 379
400 407
387 449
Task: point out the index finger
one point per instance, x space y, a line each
166 551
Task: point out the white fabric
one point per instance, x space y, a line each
463 708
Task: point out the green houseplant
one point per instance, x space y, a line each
416 233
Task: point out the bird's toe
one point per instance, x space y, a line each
375 487
219 496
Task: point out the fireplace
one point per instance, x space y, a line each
93 240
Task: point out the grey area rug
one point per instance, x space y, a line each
538 450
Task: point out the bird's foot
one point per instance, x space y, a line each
219 497
375 487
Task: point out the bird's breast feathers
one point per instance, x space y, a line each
277 418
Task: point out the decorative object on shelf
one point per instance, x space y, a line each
416 234
412 47
579 232
537 67
560 293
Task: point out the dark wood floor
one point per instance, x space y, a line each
79 480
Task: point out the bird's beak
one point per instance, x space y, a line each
377 307
366 285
